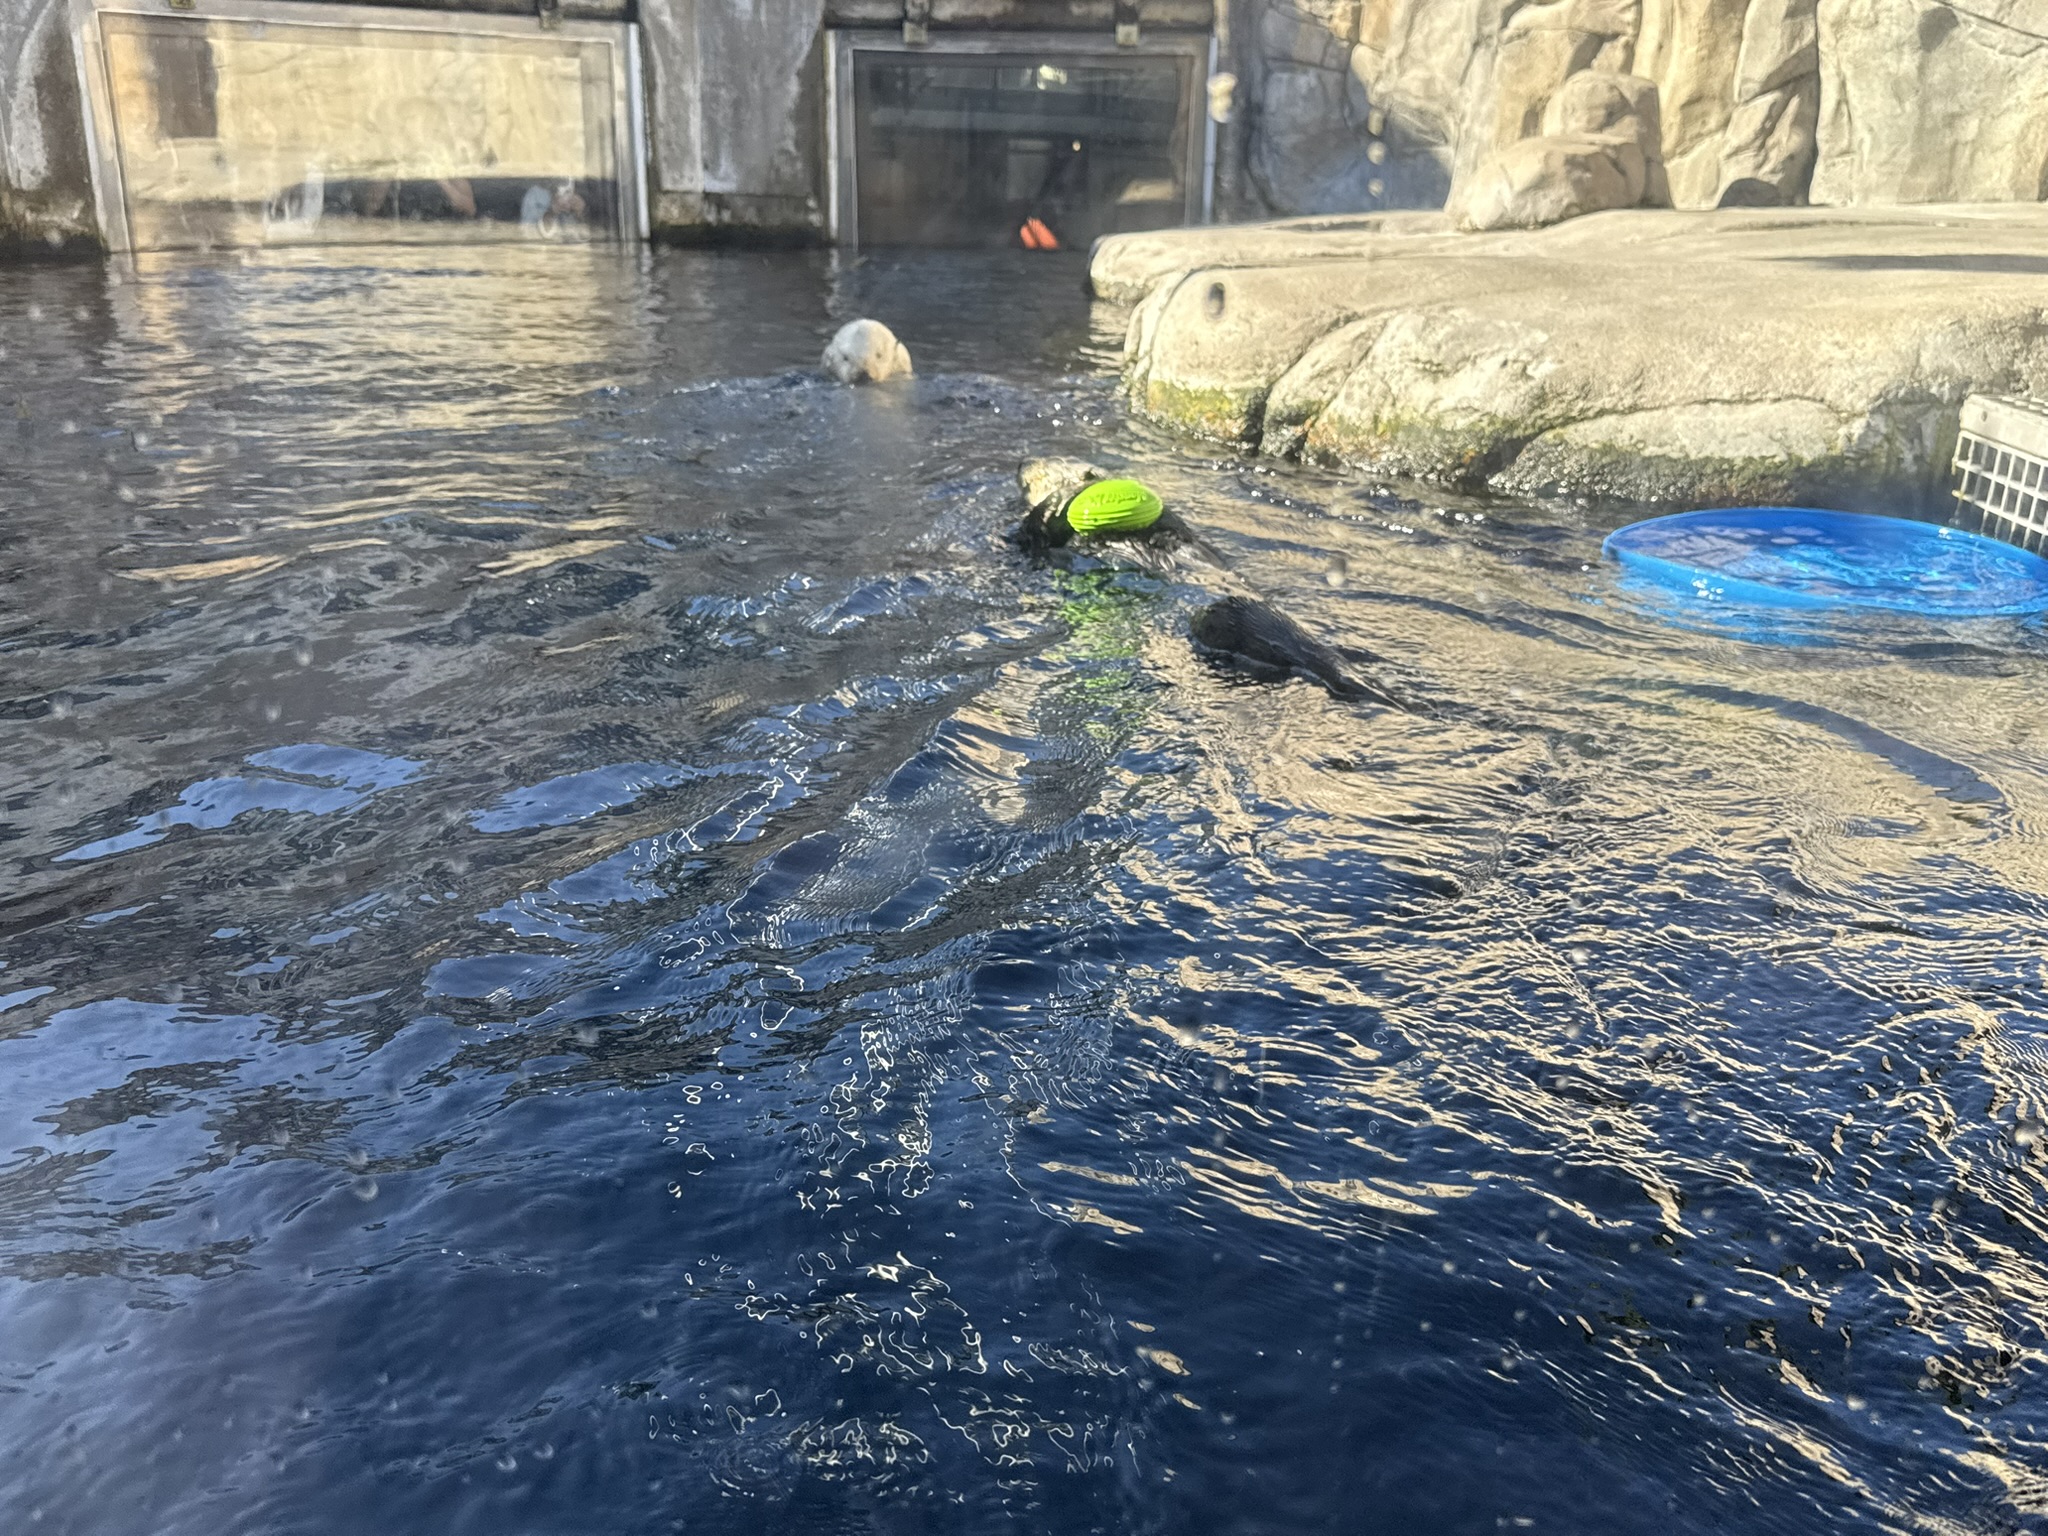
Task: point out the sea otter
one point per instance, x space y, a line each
1131 527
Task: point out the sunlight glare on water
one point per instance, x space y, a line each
590 949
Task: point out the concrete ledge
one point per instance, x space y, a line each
1798 354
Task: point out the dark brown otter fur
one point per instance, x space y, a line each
1239 629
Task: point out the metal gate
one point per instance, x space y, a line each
1045 140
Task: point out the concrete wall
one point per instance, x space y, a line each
1342 105
736 108
736 116
737 111
45 179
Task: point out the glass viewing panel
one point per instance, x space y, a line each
244 132
977 150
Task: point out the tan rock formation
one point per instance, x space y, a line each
1767 149
1601 147
1341 125
1926 102
1524 52
1690 49
1658 355
1410 72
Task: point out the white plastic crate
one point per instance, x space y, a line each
2001 469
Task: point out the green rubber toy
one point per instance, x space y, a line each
1114 506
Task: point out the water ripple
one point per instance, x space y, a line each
590 948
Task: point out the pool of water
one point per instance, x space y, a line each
587 948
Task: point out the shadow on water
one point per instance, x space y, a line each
589 949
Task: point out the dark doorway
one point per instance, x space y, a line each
1019 150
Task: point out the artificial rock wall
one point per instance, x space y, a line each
1761 101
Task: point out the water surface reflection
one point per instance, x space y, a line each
589 949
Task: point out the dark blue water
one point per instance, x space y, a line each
587 949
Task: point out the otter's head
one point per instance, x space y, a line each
1048 485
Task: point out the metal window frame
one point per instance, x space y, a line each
102 135
842 172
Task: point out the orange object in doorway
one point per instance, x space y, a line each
1037 237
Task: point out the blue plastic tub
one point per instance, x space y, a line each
1796 557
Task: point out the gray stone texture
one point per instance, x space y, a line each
1920 101
45 179
760 109
1658 355
1763 102
1600 147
